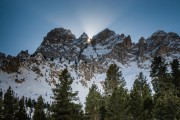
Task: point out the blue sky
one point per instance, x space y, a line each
24 23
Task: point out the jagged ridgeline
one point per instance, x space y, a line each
36 74
106 45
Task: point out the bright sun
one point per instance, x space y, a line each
89 40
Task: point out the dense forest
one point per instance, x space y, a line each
115 103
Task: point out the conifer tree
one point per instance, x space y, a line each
167 107
93 103
39 113
117 106
113 79
21 111
158 74
114 93
175 67
29 103
166 102
140 99
8 105
64 107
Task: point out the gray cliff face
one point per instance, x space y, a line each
163 44
58 43
94 57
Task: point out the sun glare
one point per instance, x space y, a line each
89 40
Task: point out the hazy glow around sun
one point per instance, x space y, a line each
89 40
90 20
94 22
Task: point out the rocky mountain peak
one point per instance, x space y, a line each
141 41
142 47
57 42
84 36
159 33
161 43
103 36
23 54
172 35
127 42
58 35
156 38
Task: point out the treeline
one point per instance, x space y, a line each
15 108
116 103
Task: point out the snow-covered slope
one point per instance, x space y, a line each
35 84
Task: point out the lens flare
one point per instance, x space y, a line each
91 21
89 40
94 21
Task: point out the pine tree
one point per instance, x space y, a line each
140 99
117 106
48 113
166 102
29 103
136 102
8 105
167 107
93 103
39 113
175 67
113 79
21 111
158 74
63 107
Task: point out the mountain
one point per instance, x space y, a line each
36 74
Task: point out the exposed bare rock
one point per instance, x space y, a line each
23 55
127 43
162 43
11 64
142 47
102 37
59 35
58 43
122 50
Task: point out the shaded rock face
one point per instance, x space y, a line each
11 64
127 43
102 37
23 55
162 43
82 42
59 35
142 47
58 43
122 51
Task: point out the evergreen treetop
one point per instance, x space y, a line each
113 79
64 106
